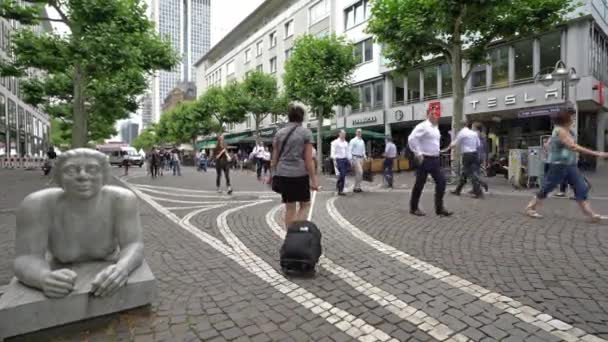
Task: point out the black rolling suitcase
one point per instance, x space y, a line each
301 249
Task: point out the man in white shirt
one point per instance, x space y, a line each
340 154
390 153
357 152
424 142
258 154
468 141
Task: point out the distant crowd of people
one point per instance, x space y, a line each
160 160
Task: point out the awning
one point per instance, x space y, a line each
366 134
206 144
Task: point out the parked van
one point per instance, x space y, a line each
118 153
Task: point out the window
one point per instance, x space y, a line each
446 80
367 96
230 68
259 68
413 86
378 94
21 119
398 89
273 65
357 13
523 60
288 53
322 34
550 50
248 121
364 51
500 66
289 29
318 11
478 77
259 48
2 112
273 39
28 122
430 82
247 55
12 115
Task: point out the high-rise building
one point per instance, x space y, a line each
186 23
129 131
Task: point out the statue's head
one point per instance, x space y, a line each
82 172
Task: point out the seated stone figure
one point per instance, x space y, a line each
82 220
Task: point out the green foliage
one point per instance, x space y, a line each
318 73
146 139
183 124
220 106
413 29
234 103
94 74
280 105
261 91
60 133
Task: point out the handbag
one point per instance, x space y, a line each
275 183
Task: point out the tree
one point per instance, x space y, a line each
183 124
261 92
91 77
146 139
280 105
318 74
459 30
221 106
60 133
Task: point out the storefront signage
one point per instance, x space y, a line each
399 115
267 132
540 111
510 100
363 121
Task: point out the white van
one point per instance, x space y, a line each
118 153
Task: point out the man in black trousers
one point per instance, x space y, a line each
424 141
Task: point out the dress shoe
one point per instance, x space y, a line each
445 213
417 212
357 191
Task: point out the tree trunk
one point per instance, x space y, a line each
257 126
457 101
319 141
80 131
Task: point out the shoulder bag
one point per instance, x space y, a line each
275 184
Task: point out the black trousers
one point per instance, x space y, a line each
430 166
470 170
219 167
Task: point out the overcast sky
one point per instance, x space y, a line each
226 14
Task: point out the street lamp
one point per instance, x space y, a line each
568 77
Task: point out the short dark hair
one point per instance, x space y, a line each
564 117
476 125
295 113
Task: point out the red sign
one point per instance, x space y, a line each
435 108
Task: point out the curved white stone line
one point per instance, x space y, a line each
388 301
525 313
172 200
192 207
351 325
166 193
199 191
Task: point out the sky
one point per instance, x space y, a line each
226 14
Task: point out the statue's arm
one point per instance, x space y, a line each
128 224
31 241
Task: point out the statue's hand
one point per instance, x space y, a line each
58 283
109 280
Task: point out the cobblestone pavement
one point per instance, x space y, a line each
487 274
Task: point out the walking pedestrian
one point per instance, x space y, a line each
162 162
390 153
293 167
468 141
258 154
175 160
154 162
562 161
358 155
222 164
203 161
340 153
266 159
424 142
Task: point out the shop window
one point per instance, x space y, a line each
378 94
478 77
430 82
500 66
398 90
413 86
446 80
524 57
21 119
550 51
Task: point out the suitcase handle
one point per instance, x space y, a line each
312 205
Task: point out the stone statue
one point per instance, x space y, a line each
83 220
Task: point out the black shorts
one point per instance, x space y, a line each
294 189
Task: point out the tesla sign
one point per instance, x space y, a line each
510 100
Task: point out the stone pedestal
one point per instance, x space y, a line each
25 310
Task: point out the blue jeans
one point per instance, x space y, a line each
342 165
176 168
388 171
558 174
